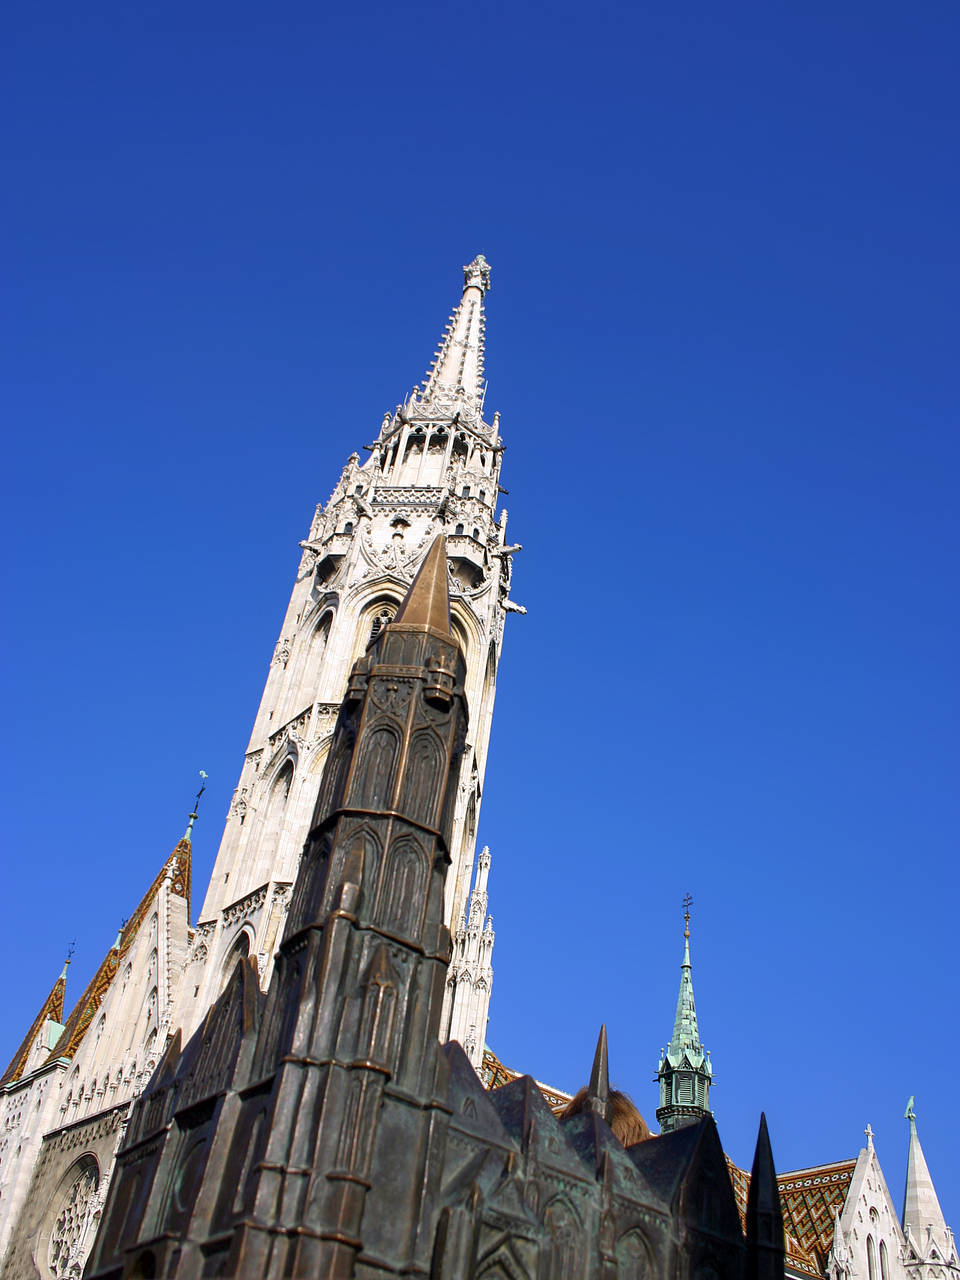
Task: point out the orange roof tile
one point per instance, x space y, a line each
808 1198
83 1011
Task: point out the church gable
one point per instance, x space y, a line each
527 1118
706 1200
174 877
44 1032
473 1111
593 1140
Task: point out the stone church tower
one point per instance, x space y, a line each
66 1096
434 467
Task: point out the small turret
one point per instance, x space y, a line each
684 1071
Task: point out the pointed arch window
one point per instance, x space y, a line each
273 818
871 1259
239 951
884 1273
458 532
385 613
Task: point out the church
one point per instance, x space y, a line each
295 1079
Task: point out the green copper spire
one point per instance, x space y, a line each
684 1071
686 1033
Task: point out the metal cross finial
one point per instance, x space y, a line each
196 804
687 904
72 948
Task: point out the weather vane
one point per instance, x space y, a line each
70 950
687 904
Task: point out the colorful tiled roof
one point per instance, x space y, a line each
52 1009
493 1074
808 1198
83 1011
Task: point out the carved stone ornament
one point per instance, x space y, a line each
307 563
245 907
281 654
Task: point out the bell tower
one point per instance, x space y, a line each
434 468
684 1072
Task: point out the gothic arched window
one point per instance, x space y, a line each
239 951
315 652
384 614
871 1259
884 1273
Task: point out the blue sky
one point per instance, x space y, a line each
722 335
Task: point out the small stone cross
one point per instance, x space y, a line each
869 1132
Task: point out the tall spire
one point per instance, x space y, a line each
929 1239
457 369
686 1033
684 1071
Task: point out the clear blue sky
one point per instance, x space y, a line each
722 334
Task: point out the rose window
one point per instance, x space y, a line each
64 1257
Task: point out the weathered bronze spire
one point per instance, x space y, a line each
598 1090
427 603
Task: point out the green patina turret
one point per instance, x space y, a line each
684 1071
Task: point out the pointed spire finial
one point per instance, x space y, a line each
70 952
922 1215
598 1090
476 274
765 1242
909 1114
187 835
454 385
427 603
687 904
